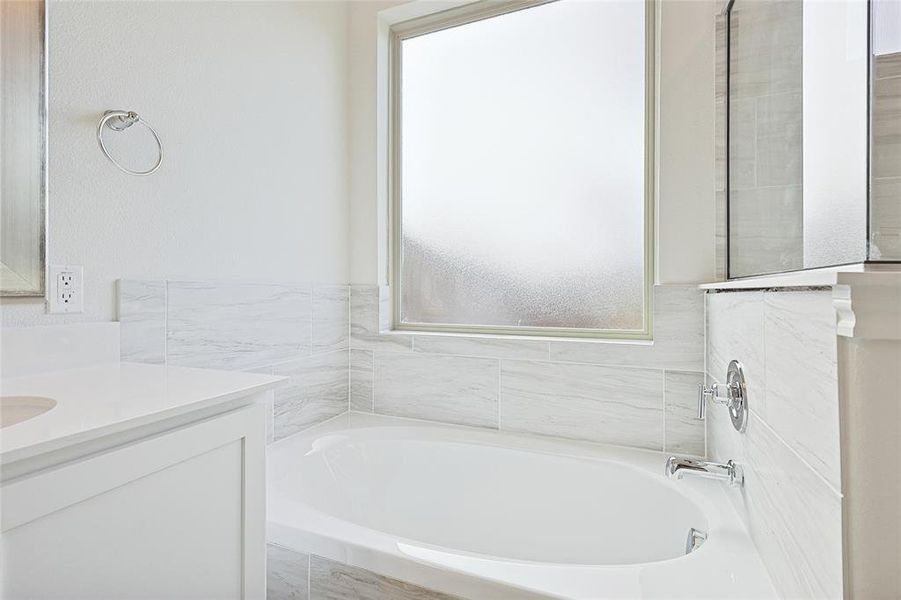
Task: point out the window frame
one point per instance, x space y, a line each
462 15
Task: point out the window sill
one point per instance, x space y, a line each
503 337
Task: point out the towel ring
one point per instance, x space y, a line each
120 120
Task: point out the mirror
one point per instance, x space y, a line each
885 136
23 147
797 135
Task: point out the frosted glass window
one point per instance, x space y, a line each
522 155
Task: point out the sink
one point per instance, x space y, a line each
15 409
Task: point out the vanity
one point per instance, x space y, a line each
123 480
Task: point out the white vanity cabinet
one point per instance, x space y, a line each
162 508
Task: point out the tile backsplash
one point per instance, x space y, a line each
791 500
639 394
296 330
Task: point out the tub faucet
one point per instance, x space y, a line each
677 467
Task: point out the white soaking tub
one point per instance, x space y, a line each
484 514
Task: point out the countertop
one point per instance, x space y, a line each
104 399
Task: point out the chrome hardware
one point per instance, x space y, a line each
120 120
676 468
733 394
694 540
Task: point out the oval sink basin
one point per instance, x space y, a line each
15 409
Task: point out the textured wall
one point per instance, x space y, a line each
250 101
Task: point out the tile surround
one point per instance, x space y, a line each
583 391
142 313
317 390
360 377
684 431
787 342
236 326
453 379
330 318
300 330
450 389
801 361
584 402
735 329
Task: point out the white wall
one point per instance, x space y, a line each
250 99
686 209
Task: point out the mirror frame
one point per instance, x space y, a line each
40 288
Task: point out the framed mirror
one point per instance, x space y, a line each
23 147
797 135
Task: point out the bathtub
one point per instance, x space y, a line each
483 514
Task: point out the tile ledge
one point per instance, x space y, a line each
825 277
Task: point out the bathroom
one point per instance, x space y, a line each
450 299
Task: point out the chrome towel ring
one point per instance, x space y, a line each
120 120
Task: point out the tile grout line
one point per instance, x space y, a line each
538 360
498 394
663 389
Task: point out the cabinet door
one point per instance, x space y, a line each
180 515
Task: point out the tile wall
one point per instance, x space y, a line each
885 205
297 576
296 330
329 340
791 500
765 137
633 394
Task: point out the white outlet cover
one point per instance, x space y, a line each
65 289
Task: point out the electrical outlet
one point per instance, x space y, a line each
66 289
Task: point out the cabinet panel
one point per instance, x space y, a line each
189 526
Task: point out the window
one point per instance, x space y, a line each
521 178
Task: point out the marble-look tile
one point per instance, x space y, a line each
779 140
801 368
142 318
765 48
742 143
368 316
885 219
678 344
886 129
317 390
287 574
735 331
887 66
361 380
330 318
236 325
586 402
793 516
684 430
765 230
488 347
450 389
330 580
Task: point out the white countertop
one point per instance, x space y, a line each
109 398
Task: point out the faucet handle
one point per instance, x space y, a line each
705 392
